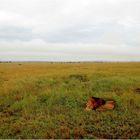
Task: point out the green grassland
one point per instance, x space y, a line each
43 100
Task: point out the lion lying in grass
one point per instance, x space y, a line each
99 104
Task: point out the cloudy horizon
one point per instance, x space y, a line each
69 30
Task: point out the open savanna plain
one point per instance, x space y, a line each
44 100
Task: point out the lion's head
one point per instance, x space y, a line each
94 103
90 104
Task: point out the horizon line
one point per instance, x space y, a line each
94 61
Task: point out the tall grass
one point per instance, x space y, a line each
48 100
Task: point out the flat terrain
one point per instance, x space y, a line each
42 100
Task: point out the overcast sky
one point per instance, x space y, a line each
70 30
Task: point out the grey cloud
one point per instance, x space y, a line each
74 30
114 34
68 52
12 33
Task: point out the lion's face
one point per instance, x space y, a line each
91 104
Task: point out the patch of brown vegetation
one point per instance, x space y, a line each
79 133
63 132
137 90
49 134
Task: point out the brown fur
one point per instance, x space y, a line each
94 103
99 104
